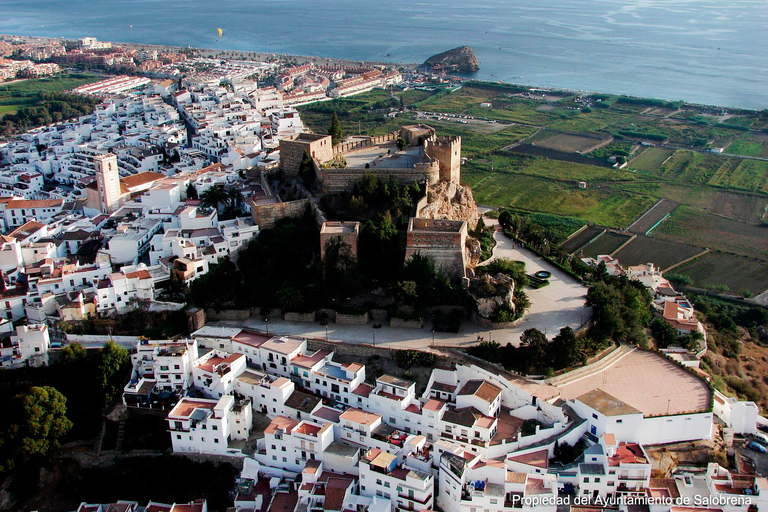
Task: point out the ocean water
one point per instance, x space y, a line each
704 51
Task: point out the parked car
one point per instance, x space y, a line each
757 447
761 438
763 427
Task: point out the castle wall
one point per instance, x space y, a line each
346 147
339 180
446 150
267 215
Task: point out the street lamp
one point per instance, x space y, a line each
266 325
326 332
373 333
433 337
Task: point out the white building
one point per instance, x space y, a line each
209 426
29 347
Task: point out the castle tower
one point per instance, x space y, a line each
107 182
447 151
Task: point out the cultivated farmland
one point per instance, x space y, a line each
581 239
662 253
652 216
692 226
650 159
607 243
571 143
722 269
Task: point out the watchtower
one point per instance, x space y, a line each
447 151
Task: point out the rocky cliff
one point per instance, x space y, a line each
491 293
446 200
459 60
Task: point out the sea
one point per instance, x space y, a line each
713 52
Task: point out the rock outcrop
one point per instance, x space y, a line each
491 293
446 200
458 60
473 251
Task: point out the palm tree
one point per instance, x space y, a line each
214 196
290 299
235 199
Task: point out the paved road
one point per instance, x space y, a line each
553 307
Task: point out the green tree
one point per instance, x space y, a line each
112 362
214 196
340 273
235 199
567 349
537 343
38 421
191 191
400 143
335 130
290 299
663 332
74 353
307 170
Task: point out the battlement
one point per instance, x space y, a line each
442 240
447 151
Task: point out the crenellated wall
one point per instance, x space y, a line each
339 180
447 151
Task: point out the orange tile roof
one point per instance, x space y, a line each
282 423
33 203
141 178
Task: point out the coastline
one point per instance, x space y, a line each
403 66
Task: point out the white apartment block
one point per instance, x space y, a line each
214 373
28 347
290 443
408 489
209 426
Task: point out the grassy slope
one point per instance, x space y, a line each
27 92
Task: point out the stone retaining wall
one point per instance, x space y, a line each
300 317
348 319
228 314
402 323
487 324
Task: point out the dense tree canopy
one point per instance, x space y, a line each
36 421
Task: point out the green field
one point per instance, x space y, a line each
26 93
601 206
650 159
695 168
748 145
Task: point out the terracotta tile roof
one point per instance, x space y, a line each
359 416
434 405
539 459
141 178
282 423
34 203
481 389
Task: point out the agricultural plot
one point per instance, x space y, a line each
749 175
691 167
556 228
652 217
581 239
748 145
692 226
606 243
742 206
571 170
662 253
650 159
737 273
27 92
600 206
576 158
571 143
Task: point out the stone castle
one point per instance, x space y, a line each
443 216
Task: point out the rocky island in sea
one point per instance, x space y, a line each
458 60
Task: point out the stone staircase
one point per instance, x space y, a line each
598 366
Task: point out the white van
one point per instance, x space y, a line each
761 438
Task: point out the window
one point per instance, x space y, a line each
216 441
597 480
594 415
586 480
178 436
214 427
619 421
